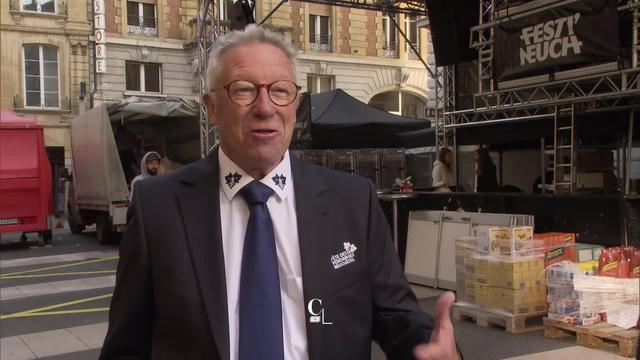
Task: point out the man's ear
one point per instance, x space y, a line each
207 99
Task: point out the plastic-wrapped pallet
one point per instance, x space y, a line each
501 273
582 299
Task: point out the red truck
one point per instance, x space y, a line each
25 177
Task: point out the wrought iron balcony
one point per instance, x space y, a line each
390 50
142 26
320 42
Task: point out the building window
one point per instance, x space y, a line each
400 103
143 77
41 81
141 18
233 14
319 33
44 6
390 45
412 32
319 83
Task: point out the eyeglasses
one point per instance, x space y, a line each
245 93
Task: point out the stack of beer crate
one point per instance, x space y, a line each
501 273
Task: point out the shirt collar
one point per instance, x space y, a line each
233 178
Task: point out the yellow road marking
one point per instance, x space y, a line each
53 307
58 274
60 266
62 312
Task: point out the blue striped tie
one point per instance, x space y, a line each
260 304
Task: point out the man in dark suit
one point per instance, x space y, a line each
251 253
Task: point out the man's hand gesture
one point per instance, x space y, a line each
442 345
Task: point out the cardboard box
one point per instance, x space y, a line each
481 269
537 271
587 252
516 273
482 295
555 247
545 241
469 268
517 241
521 301
589 267
507 273
470 287
490 246
556 255
463 247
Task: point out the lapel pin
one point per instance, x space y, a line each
232 179
280 181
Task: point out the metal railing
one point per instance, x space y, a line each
408 49
142 25
390 50
320 42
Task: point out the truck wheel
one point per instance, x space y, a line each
104 230
75 228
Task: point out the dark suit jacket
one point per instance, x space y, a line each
170 297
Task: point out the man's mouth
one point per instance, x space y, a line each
264 132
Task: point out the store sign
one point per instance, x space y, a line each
582 32
100 36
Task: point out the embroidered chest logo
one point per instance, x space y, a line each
344 258
280 181
232 179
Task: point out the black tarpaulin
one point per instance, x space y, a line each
341 121
417 138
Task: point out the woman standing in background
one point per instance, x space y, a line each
441 173
486 178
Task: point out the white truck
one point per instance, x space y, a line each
99 192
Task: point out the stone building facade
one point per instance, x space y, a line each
150 50
358 51
44 62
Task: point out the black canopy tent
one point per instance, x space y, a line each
417 139
340 121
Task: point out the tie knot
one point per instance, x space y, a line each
255 193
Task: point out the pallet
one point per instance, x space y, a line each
599 335
514 324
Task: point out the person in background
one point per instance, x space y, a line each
149 166
486 178
441 173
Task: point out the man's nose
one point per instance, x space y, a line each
263 107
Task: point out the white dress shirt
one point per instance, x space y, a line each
234 216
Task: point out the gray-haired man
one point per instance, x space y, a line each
253 254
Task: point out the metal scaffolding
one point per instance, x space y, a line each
210 27
599 88
446 101
208 32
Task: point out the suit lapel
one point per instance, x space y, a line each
314 233
200 208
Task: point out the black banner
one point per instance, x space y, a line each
583 32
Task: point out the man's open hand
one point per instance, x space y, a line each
442 345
